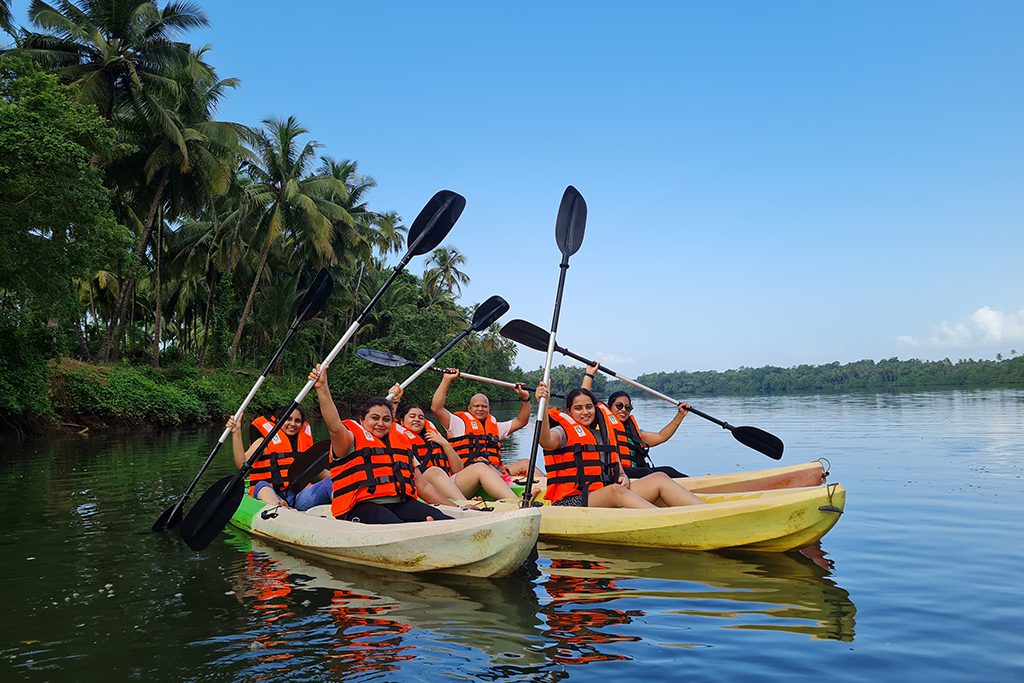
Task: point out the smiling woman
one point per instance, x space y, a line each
581 456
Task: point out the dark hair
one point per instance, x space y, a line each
371 403
283 412
571 396
404 410
618 394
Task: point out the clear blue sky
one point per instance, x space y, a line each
768 183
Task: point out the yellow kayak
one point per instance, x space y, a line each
775 520
788 477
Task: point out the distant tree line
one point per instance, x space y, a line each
864 374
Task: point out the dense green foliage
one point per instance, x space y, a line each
140 229
865 374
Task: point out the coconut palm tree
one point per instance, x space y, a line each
284 200
113 50
442 274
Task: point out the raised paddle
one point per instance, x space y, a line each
307 465
569 228
392 360
486 313
534 337
312 303
214 509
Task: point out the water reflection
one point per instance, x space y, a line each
789 592
353 623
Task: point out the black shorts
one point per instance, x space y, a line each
369 512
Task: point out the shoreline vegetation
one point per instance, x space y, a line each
86 397
154 254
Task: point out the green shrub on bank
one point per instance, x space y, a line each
127 395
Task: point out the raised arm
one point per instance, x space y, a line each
341 438
237 448
652 439
548 441
522 418
441 395
588 376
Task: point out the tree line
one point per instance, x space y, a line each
141 228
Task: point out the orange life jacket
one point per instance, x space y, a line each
636 451
272 465
374 469
585 463
428 453
480 443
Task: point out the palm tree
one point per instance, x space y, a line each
113 50
6 24
282 199
442 274
184 178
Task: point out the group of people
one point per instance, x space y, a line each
390 464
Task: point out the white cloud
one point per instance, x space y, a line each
611 358
984 326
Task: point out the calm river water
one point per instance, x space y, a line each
920 580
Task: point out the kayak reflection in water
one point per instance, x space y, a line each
442 466
581 456
637 460
373 467
269 474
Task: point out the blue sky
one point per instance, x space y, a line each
768 183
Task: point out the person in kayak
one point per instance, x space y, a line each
474 433
443 467
581 456
268 478
637 460
372 462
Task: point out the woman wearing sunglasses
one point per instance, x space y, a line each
582 446
638 462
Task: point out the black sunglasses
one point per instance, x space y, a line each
623 406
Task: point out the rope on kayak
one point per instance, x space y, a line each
826 465
269 513
831 488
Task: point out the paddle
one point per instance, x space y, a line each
305 468
214 509
569 228
486 313
534 337
312 303
392 360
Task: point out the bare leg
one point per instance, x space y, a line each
479 475
442 483
519 468
616 496
659 486
268 496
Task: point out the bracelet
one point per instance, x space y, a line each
525 400
589 375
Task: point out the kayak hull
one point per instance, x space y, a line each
775 521
474 544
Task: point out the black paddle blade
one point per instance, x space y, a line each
170 518
571 222
197 535
526 334
488 312
760 440
435 221
305 468
316 296
383 358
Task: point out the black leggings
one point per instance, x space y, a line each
638 472
369 512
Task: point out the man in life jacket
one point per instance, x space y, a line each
474 433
